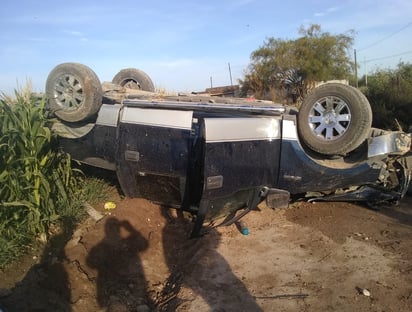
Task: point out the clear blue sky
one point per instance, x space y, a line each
181 44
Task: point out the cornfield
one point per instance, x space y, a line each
37 183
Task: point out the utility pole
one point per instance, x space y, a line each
211 82
230 74
356 69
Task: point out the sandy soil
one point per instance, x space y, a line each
309 257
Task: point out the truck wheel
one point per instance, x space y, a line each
334 119
73 91
133 78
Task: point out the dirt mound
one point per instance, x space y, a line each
309 257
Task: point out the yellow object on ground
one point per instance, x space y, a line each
109 205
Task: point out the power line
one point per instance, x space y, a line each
387 37
386 57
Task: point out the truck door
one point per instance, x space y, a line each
152 153
241 157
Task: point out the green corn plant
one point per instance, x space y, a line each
24 140
37 184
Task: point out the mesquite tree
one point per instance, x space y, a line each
286 69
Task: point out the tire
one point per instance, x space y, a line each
334 119
74 92
133 78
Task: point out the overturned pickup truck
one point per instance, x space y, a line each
216 157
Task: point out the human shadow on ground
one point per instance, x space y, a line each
120 282
45 287
197 265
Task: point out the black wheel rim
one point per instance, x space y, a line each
131 84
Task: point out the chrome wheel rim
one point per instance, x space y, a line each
68 92
329 118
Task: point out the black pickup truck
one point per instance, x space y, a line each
217 157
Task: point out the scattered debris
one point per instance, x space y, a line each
242 227
109 205
363 291
291 296
361 236
96 216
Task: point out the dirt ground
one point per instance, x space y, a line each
308 257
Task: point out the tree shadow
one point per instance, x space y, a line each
196 264
120 282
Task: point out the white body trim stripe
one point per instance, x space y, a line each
241 129
108 115
157 117
289 130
